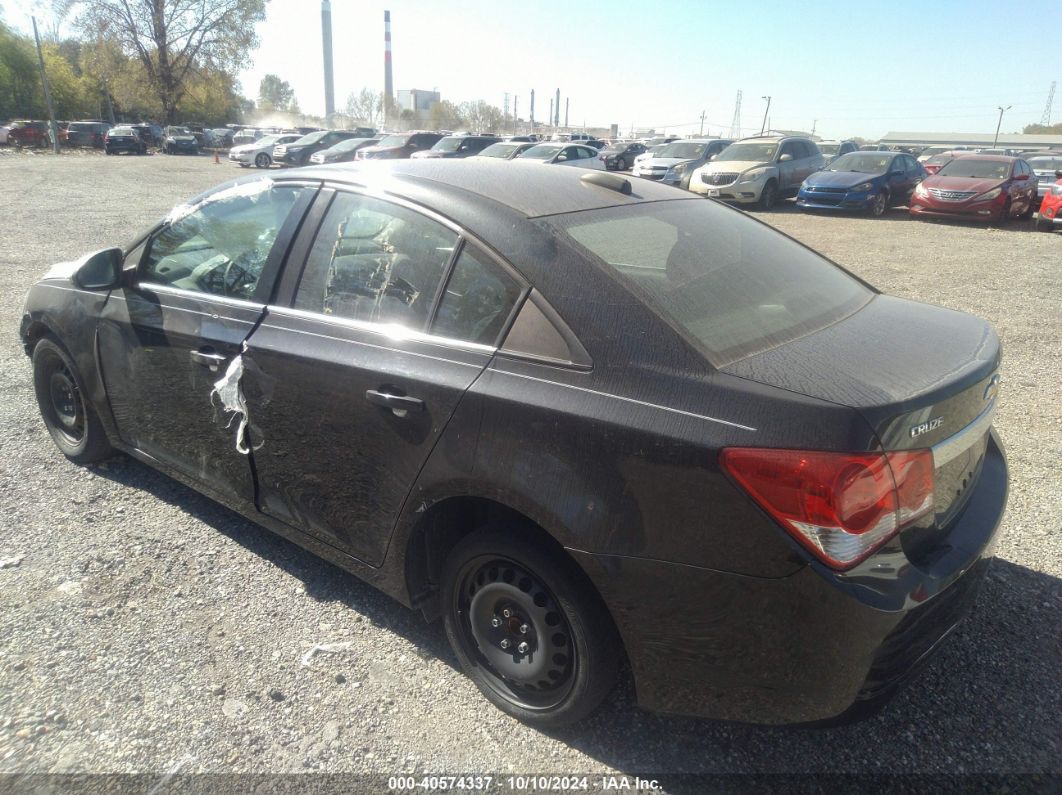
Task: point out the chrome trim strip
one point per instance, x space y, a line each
629 400
196 295
393 332
958 443
371 345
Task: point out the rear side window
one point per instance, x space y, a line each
375 262
728 283
478 300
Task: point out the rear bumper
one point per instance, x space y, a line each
816 646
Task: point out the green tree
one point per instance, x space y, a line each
174 40
1040 129
276 94
20 92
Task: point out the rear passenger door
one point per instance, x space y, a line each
357 368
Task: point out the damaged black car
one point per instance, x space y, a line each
600 429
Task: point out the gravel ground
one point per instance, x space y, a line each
143 626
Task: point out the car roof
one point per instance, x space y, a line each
530 189
989 158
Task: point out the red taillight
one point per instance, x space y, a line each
841 506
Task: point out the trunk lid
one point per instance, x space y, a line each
922 376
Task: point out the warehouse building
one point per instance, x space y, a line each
1027 143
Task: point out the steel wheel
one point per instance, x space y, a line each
527 627
515 629
881 202
262 160
68 408
70 419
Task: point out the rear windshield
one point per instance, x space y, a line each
1046 163
312 138
732 285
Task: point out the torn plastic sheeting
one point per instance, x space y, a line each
250 188
229 391
325 648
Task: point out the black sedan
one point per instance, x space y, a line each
298 153
620 157
124 139
581 424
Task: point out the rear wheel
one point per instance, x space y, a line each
880 204
527 629
621 164
71 421
769 196
262 160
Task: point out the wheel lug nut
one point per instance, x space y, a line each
523 648
524 628
506 643
495 622
507 613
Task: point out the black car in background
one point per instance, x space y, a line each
299 152
179 140
87 133
620 157
400 146
506 150
151 134
457 146
343 152
583 424
124 139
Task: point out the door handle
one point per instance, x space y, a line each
399 404
207 358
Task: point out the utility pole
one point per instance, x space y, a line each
1000 124
47 93
516 104
814 124
703 114
763 127
566 101
532 111
550 117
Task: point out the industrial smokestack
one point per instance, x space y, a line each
326 40
389 88
532 110
556 109
566 101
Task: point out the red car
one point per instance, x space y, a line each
1050 216
28 133
936 162
978 187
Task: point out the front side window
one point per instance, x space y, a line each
376 262
731 286
220 246
478 299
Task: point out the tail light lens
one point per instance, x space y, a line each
840 506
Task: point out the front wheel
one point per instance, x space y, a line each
1025 216
262 160
769 196
879 205
621 164
1043 224
73 424
1004 214
527 628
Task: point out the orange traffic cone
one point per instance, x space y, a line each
217 161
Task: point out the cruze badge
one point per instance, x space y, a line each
926 427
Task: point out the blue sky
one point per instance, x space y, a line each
848 68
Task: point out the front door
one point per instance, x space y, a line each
353 385
169 335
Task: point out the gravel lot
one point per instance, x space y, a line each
143 626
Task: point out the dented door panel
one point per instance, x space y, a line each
335 460
161 394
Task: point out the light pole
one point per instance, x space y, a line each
767 110
1000 124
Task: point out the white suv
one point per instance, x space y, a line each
758 170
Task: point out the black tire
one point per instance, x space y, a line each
880 205
1033 204
550 607
1004 214
73 424
769 196
621 164
1043 225
262 160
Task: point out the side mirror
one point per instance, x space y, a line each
785 158
713 157
100 271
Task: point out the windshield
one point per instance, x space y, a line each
976 169
682 149
82 125
173 131
1051 164
542 151
753 153
311 138
614 148
122 131
829 149
266 140
730 285
448 144
349 144
862 163
937 160
500 150
392 141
